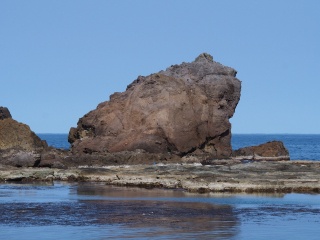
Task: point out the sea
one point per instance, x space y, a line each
62 210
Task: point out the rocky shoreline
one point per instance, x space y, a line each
170 129
222 176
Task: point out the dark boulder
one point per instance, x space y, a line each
274 150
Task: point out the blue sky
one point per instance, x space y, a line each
59 59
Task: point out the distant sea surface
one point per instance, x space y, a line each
300 146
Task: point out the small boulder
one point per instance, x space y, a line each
274 151
53 158
23 159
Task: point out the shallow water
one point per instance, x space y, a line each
97 211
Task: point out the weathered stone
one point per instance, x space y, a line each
19 146
274 150
4 113
179 110
119 158
23 159
52 163
221 176
18 135
54 158
10 174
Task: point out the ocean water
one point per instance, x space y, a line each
97 211
57 140
300 146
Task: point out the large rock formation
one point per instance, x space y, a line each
184 109
19 145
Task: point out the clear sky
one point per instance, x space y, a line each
59 59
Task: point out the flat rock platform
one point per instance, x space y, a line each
221 176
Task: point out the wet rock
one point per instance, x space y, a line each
177 111
274 150
26 175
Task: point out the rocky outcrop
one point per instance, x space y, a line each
184 109
274 151
19 146
4 113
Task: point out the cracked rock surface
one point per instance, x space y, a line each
182 110
222 176
19 145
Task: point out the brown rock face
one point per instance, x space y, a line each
18 135
4 113
19 146
184 109
274 150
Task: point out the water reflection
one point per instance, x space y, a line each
152 209
137 209
97 211
100 189
168 216
127 192
148 211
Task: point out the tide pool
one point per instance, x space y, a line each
98 211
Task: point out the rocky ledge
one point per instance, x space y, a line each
223 176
